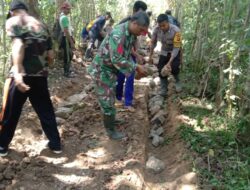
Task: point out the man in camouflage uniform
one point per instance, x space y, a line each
31 52
170 37
121 79
114 55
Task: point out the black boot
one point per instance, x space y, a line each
109 124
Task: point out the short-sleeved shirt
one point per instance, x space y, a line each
114 55
170 40
65 23
36 41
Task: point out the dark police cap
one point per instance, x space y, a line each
17 5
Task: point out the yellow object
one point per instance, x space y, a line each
90 24
211 152
177 40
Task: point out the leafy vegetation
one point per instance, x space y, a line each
216 69
224 160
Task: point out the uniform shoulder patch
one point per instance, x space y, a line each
177 40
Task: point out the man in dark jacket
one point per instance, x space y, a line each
95 33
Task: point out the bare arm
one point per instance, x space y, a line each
176 49
17 58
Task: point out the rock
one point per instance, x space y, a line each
89 87
79 60
154 109
186 187
149 70
156 100
9 173
2 186
2 167
79 106
152 133
155 60
1 177
155 75
151 94
159 118
63 112
75 99
60 121
155 164
27 160
159 131
190 178
154 127
129 149
152 84
157 140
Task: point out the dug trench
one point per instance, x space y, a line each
90 160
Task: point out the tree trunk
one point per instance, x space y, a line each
4 39
246 102
33 8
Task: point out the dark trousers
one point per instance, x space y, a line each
175 71
175 64
67 54
93 36
40 100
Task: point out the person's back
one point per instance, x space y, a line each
31 51
98 24
36 39
173 20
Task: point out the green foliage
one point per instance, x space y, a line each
226 162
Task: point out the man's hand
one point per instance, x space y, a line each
166 70
21 86
140 59
140 72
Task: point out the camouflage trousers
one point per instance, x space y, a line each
105 89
